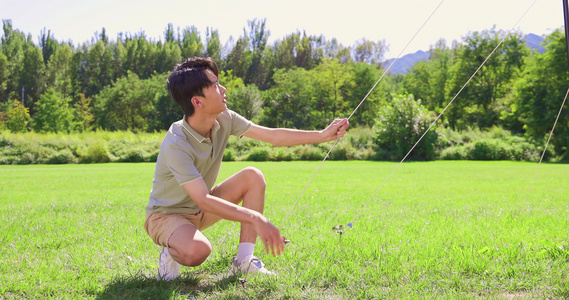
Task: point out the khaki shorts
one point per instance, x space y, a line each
161 226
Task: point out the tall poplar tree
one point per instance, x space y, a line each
540 92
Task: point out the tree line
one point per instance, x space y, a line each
299 81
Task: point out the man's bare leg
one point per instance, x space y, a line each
190 247
247 186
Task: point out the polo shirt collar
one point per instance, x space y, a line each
198 137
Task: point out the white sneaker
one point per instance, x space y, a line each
168 268
250 264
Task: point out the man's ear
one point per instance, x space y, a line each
196 102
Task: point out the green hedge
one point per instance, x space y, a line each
493 144
358 144
96 147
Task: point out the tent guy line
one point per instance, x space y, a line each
360 104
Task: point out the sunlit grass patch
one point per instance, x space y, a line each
435 230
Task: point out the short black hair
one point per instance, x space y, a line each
188 80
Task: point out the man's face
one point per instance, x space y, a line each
214 95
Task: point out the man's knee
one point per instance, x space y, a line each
195 255
255 176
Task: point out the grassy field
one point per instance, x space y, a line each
448 229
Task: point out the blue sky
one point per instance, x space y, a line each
394 21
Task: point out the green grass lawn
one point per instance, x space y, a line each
448 229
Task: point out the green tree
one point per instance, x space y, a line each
257 71
240 57
58 73
32 76
13 47
25 66
166 110
191 42
428 80
77 69
213 45
18 117
100 61
3 77
298 50
335 50
118 65
167 57
53 113
140 56
128 104
365 76
285 51
95 67
334 82
369 52
306 56
440 59
169 33
400 125
246 100
475 104
48 45
540 92
230 81
289 102
118 51
130 59
83 113
102 36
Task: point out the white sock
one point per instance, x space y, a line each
244 250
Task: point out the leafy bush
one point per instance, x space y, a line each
366 154
228 155
282 155
400 125
342 151
492 144
133 151
103 146
488 150
96 153
258 154
134 155
241 147
53 113
92 147
17 117
456 152
4 142
360 137
307 152
62 157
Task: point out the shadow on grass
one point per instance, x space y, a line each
140 286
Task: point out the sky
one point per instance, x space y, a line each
395 22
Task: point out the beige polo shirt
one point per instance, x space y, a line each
185 156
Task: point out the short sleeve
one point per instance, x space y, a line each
181 164
239 124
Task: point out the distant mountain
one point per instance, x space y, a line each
534 42
406 62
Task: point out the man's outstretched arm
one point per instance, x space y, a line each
291 137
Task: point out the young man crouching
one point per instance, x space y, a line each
183 201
